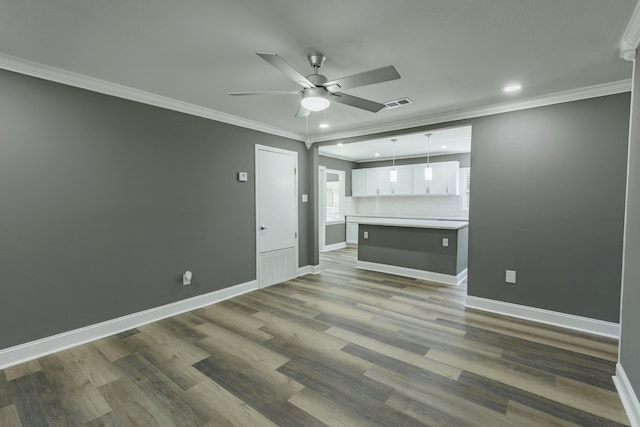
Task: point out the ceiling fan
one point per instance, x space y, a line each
318 92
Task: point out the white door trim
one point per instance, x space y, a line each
322 184
258 148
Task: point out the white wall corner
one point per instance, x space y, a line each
48 345
627 396
631 37
563 320
309 269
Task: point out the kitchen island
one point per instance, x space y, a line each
428 249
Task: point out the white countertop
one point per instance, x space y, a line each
409 222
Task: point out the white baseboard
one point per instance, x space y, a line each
627 396
569 321
44 346
446 279
309 269
335 246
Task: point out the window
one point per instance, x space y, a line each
334 194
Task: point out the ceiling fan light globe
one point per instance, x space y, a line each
315 103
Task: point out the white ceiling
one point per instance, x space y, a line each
444 141
451 54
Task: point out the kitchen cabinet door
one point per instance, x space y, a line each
403 186
358 183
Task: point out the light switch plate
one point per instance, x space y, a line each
242 176
445 242
366 235
305 198
510 276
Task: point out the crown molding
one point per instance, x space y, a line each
469 113
81 81
631 37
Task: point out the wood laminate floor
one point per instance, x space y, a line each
345 347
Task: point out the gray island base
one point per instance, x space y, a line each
423 249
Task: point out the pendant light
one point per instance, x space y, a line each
428 171
393 175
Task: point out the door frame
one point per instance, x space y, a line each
258 148
322 184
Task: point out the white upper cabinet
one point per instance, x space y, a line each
403 186
443 183
377 181
358 182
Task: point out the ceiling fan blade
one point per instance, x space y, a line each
354 101
267 92
302 112
370 77
288 70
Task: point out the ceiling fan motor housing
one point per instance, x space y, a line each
316 59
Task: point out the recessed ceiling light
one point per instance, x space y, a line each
444 146
376 154
512 88
339 144
323 125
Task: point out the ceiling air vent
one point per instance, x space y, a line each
397 103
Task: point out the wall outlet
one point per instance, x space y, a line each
445 242
366 234
510 276
242 176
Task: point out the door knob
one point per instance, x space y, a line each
263 227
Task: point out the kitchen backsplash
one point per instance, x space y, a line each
407 206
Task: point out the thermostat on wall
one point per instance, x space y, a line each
242 176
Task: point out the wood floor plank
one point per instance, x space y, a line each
396 353
265 393
5 394
9 416
131 405
92 363
355 393
22 369
77 394
36 402
525 416
160 390
221 339
238 323
550 402
165 345
403 376
223 408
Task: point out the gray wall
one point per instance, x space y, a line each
463 158
106 202
630 339
548 201
335 233
417 248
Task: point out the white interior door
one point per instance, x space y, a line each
276 215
